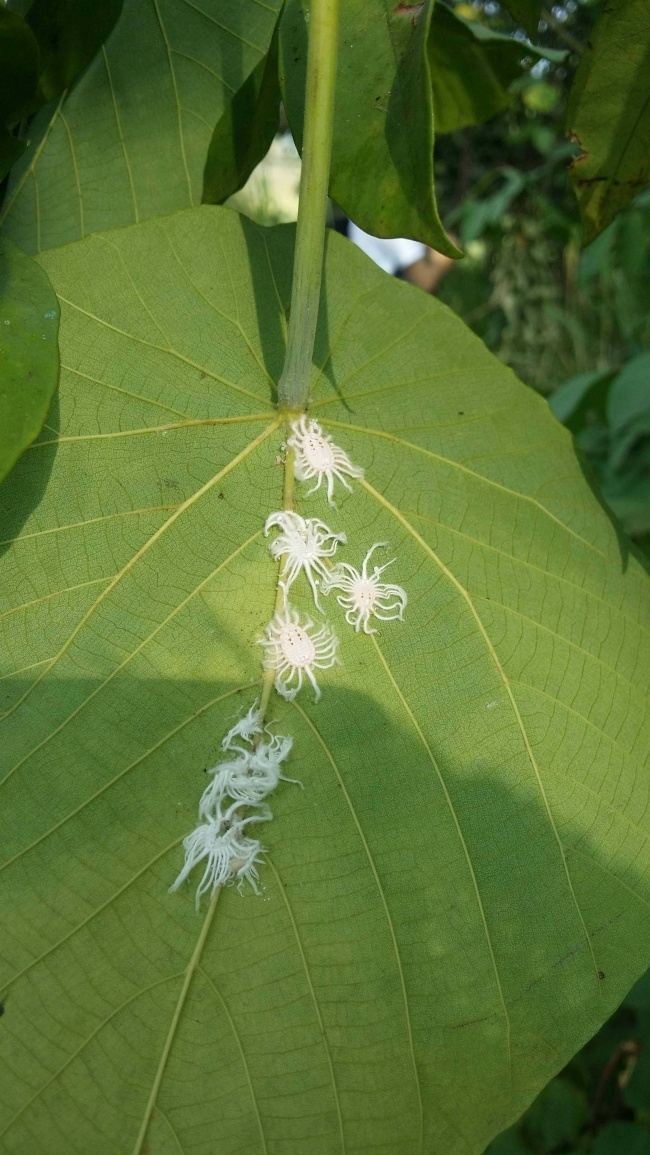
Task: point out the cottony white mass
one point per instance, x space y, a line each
295 648
364 595
317 456
302 544
230 853
250 777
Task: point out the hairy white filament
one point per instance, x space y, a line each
250 777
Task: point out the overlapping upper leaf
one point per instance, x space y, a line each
382 150
459 895
131 139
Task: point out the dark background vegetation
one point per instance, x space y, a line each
573 322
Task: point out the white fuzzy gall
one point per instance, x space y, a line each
302 544
318 457
295 648
229 851
363 595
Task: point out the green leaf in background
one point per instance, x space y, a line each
11 149
622 1139
69 33
131 139
555 1119
381 175
509 1143
628 405
609 114
626 477
637 1090
526 13
459 895
29 321
243 135
609 413
472 69
19 60
581 398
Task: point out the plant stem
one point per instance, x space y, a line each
293 389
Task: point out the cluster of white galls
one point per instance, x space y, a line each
295 647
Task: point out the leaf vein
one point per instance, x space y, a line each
506 683
384 903
466 853
319 1018
170 352
242 1054
465 469
252 445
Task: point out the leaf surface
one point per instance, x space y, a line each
29 355
381 175
609 114
459 894
130 140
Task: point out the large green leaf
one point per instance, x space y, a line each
382 149
609 114
459 895
131 139
29 354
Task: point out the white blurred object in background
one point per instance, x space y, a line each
391 255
